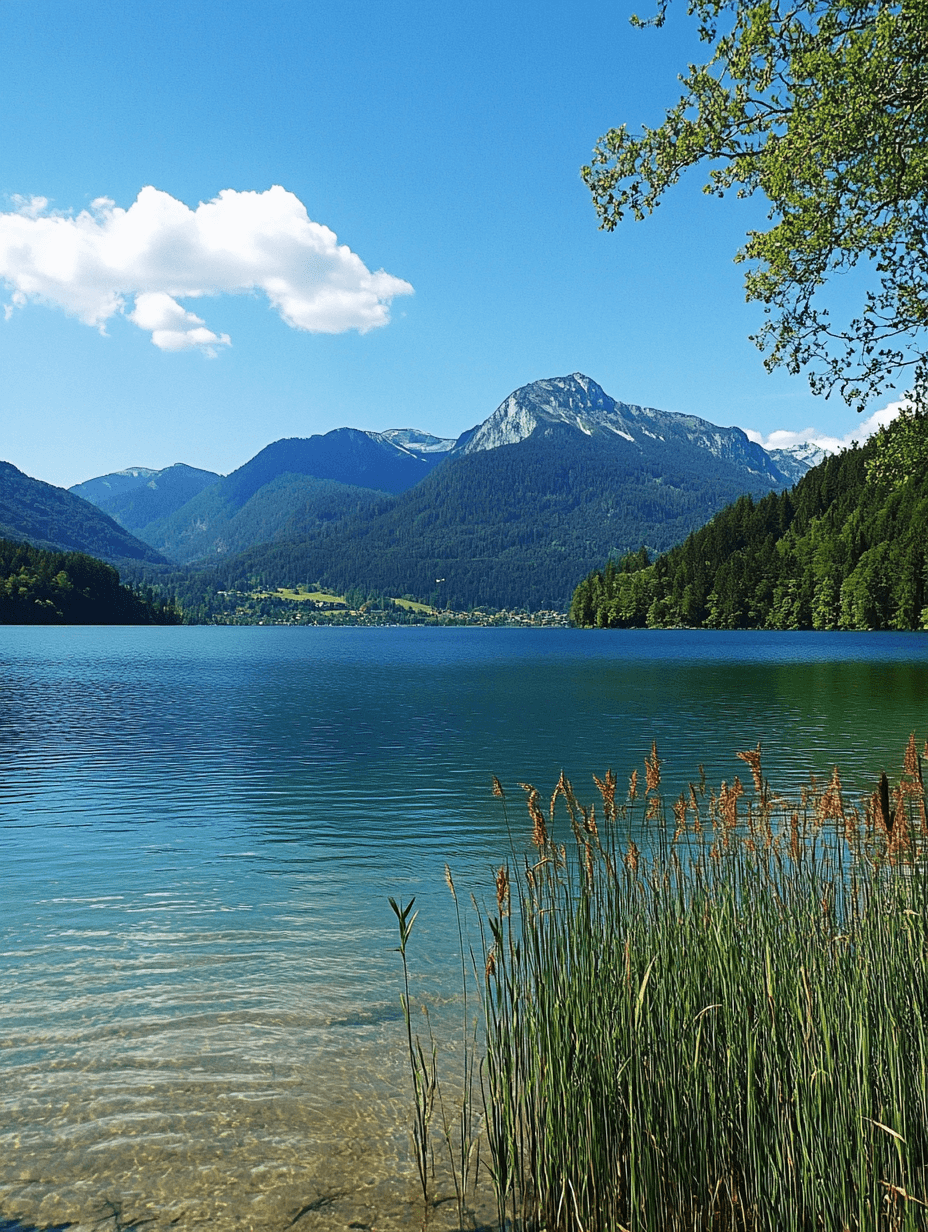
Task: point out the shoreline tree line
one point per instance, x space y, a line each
846 548
38 587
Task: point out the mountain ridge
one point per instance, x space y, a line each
53 519
511 513
516 524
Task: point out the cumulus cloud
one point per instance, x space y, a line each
783 439
159 251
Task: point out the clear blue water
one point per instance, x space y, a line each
199 829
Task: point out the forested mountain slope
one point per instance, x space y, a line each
318 479
52 518
138 496
839 551
559 477
511 526
53 588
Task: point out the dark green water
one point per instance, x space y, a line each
199 829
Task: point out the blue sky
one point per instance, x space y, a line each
441 144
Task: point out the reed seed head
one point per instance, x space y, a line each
752 757
502 889
633 786
539 829
830 805
607 791
652 769
910 764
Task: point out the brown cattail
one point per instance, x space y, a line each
498 789
450 880
633 786
883 813
490 969
631 856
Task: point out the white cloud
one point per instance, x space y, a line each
172 328
159 251
783 439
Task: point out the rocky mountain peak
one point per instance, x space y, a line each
575 401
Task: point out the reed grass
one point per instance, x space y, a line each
422 1065
722 1025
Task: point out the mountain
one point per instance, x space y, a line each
38 587
215 524
105 487
840 550
420 443
560 476
48 517
138 496
344 455
795 460
315 480
577 404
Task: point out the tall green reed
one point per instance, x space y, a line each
725 1030
422 1067
708 1017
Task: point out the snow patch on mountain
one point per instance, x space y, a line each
797 452
415 441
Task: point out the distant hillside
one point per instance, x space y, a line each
557 479
345 455
316 480
52 518
43 588
213 524
139 496
104 487
839 551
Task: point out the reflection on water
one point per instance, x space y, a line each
199 829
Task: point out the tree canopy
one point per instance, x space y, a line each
821 105
838 551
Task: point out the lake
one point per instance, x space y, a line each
199 830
